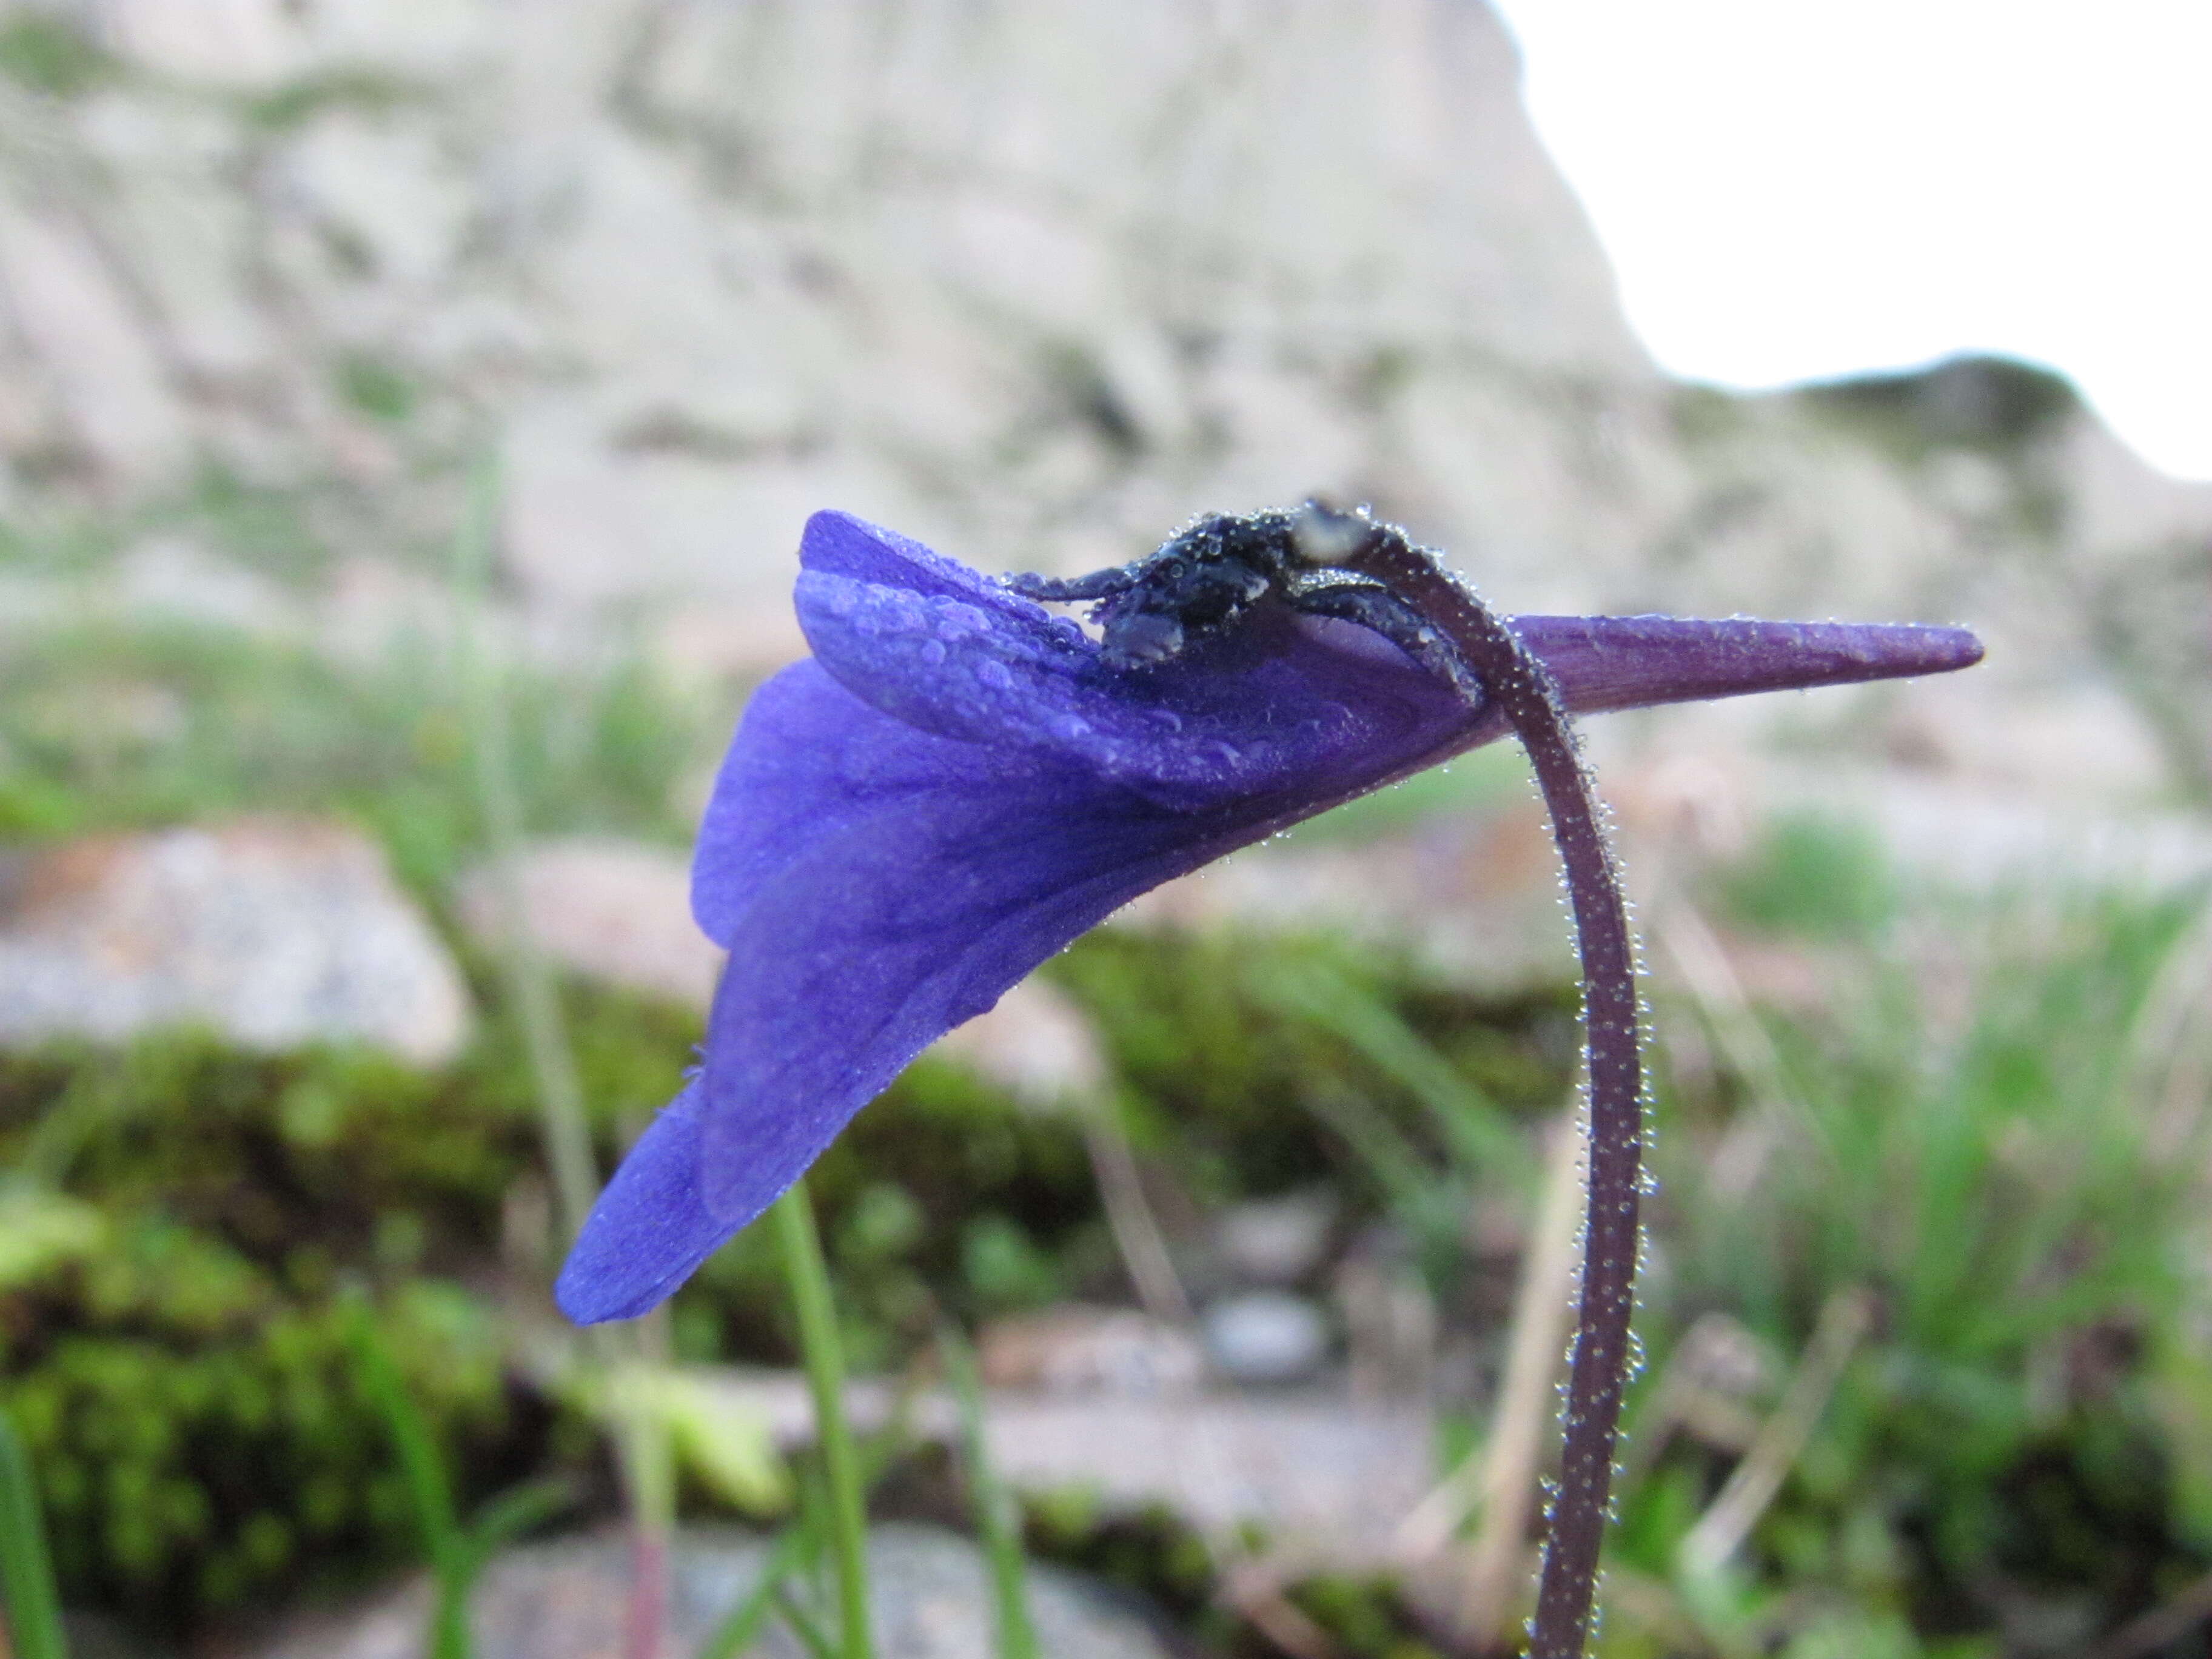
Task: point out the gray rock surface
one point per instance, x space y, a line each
1032 284
1035 285
1075 1349
1276 1240
927 1593
1265 1337
1036 1043
614 911
1326 1477
275 933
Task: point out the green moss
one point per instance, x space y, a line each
48 55
946 1197
1704 414
1225 1078
375 387
187 1469
292 105
1993 404
185 1383
1366 1615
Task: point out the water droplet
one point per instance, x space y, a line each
1226 753
996 674
932 652
1166 718
1069 728
958 622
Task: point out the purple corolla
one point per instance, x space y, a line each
956 785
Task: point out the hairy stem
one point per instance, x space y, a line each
1517 681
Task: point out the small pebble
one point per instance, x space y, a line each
1265 1337
1277 1242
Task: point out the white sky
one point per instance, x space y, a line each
1796 189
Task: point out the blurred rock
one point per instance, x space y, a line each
1277 1241
652 253
228 42
1321 1474
439 40
1327 1476
274 932
610 910
1471 892
1390 1324
180 227
172 578
1265 1337
386 192
372 607
928 1593
1082 1350
110 388
1036 1044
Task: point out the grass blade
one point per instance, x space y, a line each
997 1518
511 1514
1477 1133
809 1280
804 1625
744 1621
428 1490
26 1573
424 1471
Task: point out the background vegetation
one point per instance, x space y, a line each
1984 1135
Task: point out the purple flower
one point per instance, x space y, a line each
955 786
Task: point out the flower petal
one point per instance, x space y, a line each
840 545
900 884
1244 715
1605 663
956 786
649 1232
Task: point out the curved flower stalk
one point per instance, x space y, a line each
955 786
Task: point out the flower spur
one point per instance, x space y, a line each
958 784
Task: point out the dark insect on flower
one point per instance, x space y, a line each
1205 579
956 784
